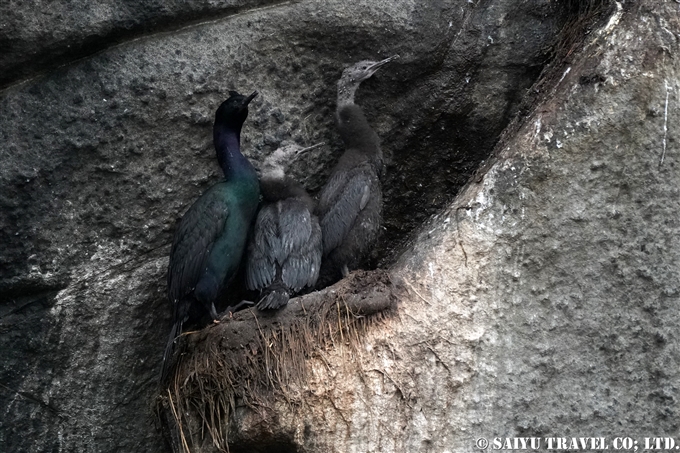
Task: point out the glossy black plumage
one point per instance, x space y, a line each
211 237
284 252
350 204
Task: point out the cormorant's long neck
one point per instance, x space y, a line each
346 91
355 130
227 142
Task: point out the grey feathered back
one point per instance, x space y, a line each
350 204
284 244
284 253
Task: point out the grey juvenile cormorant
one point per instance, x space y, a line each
350 204
284 252
211 237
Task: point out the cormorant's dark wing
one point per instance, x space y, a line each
286 236
194 239
341 201
261 266
300 244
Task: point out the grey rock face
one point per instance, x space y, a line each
36 36
541 303
101 155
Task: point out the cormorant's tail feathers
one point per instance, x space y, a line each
275 299
169 349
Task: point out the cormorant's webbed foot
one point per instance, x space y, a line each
239 306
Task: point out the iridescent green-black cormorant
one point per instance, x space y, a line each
350 204
211 237
284 252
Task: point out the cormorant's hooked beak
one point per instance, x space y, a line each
302 151
375 66
247 100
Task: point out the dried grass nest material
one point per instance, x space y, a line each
255 357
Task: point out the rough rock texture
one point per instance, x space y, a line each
36 36
94 149
542 302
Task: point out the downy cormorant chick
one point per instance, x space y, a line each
284 252
211 237
350 204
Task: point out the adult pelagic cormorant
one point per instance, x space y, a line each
350 204
284 252
211 237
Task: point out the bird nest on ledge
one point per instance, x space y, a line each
251 356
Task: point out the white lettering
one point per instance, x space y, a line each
598 443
